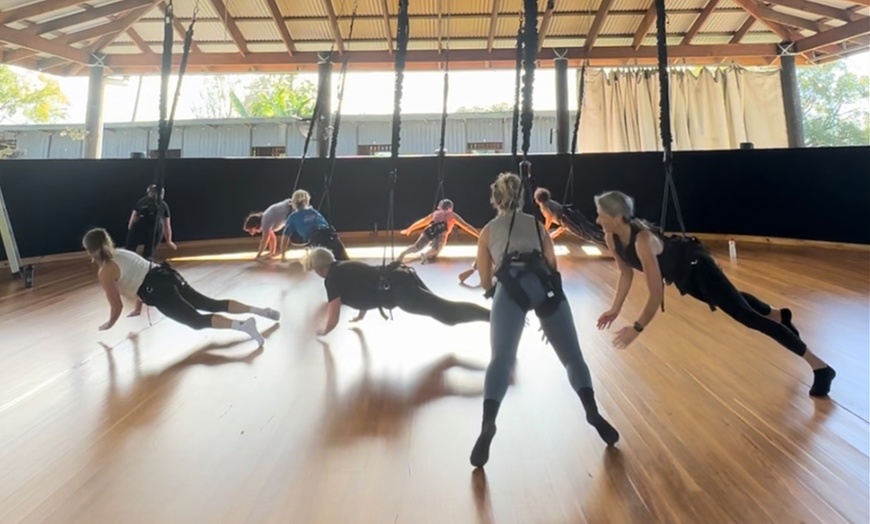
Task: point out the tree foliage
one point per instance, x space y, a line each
267 96
26 98
835 105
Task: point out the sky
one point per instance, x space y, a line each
365 92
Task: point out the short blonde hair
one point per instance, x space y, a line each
318 259
300 199
507 192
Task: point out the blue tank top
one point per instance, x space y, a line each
304 222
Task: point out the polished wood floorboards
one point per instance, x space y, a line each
161 424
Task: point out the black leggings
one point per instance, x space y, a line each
713 287
329 239
165 289
142 234
411 294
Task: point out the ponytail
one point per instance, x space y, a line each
99 245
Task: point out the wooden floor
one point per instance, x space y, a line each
161 424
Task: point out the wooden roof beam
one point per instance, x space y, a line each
34 44
140 43
38 8
789 20
385 16
278 17
738 36
545 24
178 26
597 23
705 14
333 21
756 10
833 36
119 26
818 9
90 14
493 22
231 26
645 25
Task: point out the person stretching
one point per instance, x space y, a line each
268 222
527 279
437 228
307 224
364 287
123 272
686 263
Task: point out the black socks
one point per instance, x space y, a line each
607 432
822 379
786 321
480 453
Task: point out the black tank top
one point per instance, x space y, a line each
674 260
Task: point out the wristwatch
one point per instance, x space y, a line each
637 327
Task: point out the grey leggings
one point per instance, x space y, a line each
506 328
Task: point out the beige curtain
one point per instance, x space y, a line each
710 109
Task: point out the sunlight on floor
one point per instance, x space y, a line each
461 251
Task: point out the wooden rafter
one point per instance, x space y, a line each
738 36
178 26
699 22
833 36
231 26
38 8
754 9
789 20
385 16
649 19
818 9
493 22
333 22
87 16
598 23
119 26
278 17
35 44
140 43
545 24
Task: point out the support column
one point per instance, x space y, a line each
791 99
324 90
94 112
563 136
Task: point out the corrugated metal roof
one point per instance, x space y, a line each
259 30
150 31
724 22
565 41
302 7
211 31
506 26
467 27
576 5
216 47
796 13
711 39
47 16
628 5
760 38
377 44
309 30
124 49
609 41
620 25
365 29
679 23
267 47
570 25
247 8
364 8
184 9
7 5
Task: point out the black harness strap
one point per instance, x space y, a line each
164 128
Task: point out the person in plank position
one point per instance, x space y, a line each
149 212
123 272
517 251
437 228
363 287
566 218
686 263
307 224
268 222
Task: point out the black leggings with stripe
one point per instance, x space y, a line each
165 289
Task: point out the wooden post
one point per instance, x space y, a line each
791 99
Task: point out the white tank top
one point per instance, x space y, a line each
523 237
133 270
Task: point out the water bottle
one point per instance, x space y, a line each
28 276
732 249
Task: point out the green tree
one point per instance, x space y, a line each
26 98
498 107
215 99
272 96
835 105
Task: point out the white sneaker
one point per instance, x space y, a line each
272 314
249 326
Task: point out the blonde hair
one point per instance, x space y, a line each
300 199
618 204
99 245
507 192
318 259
